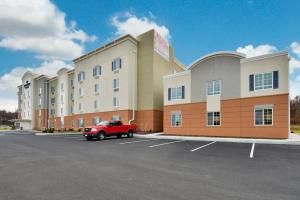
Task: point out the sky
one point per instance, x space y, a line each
45 35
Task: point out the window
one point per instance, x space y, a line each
71 110
40 91
97 88
80 107
213 119
263 81
72 96
263 115
40 101
52 111
96 71
61 87
116 102
176 93
213 87
72 83
176 119
116 84
116 118
96 121
52 100
61 111
52 90
81 92
62 99
80 123
81 76
116 64
96 104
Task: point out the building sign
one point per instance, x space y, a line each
161 46
26 85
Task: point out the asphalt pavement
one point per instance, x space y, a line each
69 167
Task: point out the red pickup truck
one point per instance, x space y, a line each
108 128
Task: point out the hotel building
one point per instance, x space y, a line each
225 94
120 80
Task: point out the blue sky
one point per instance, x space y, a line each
45 35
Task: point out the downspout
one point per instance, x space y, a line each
133 88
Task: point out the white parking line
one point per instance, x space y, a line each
137 141
202 146
166 143
252 150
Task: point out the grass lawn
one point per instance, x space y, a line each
295 128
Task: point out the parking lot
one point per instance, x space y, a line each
69 167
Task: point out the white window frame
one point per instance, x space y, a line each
96 105
263 83
115 117
97 70
176 113
213 82
175 91
80 107
81 76
213 113
40 91
61 87
263 107
116 67
97 88
116 84
116 102
80 123
81 92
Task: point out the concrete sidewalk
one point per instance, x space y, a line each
293 139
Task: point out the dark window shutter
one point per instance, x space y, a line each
120 63
275 80
169 94
79 77
100 70
182 94
112 66
251 82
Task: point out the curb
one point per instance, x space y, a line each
45 134
217 139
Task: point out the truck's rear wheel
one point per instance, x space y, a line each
130 134
101 135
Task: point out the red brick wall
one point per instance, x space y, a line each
237 118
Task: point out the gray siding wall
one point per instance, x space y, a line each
41 83
224 68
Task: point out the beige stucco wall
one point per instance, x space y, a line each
53 83
126 50
151 69
213 103
177 80
28 76
261 64
70 91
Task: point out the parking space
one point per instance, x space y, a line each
209 148
65 166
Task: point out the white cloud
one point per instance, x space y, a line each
294 64
40 27
252 51
10 81
128 23
295 87
295 48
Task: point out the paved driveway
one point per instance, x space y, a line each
68 167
